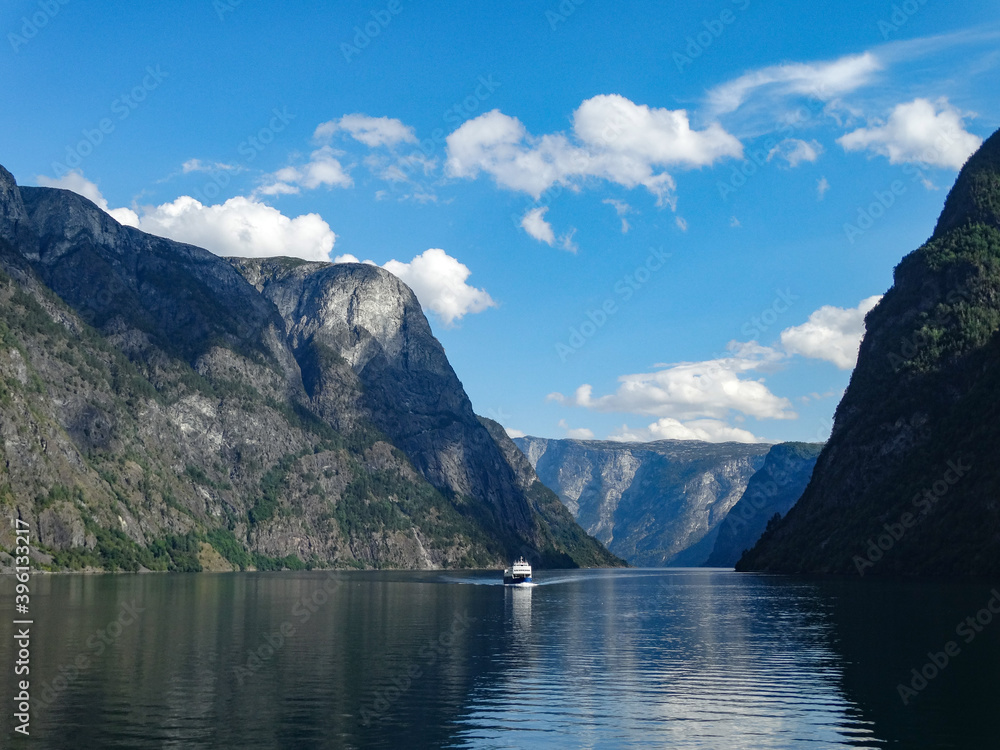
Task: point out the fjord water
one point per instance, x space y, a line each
595 659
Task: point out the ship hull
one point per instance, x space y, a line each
512 580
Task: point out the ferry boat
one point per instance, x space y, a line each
519 572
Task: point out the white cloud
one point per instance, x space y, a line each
439 281
816 396
322 169
698 400
668 428
612 139
536 226
576 433
795 151
918 131
80 185
346 258
694 390
734 222
831 333
197 165
822 185
621 208
566 241
681 223
371 131
396 168
824 81
512 433
241 226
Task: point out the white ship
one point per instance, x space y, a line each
519 572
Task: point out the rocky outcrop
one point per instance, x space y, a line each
652 504
909 480
359 326
155 398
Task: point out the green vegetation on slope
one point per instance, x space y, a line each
909 481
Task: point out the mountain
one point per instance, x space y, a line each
165 408
774 489
653 504
909 481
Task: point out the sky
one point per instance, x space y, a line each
625 220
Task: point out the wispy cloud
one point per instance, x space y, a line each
536 226
794 151
820 80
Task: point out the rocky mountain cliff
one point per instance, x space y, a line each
165 408
774 489
909 482
653 504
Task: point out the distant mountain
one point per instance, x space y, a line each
909 482
162 407
774 489
653 504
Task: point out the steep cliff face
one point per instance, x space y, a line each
774 489
158 410
652 504
909 481
360 320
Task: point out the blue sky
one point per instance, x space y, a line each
625 220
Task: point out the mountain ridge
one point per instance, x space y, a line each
157 408
908 482
653 504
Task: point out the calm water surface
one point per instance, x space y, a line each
590 659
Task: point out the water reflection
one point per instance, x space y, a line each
519 601
883 630
680 659
670 659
